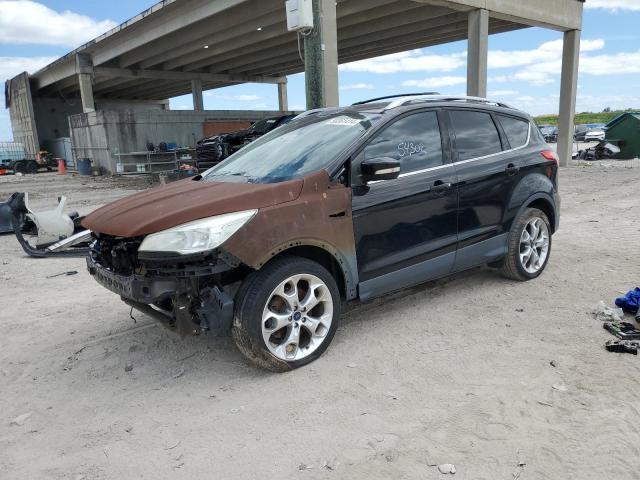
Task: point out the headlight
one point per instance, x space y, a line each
197 236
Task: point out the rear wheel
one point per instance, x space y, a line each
32 167
286 314
529 246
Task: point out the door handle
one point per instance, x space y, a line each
512 169
440 186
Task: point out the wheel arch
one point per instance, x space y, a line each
337 263
534 191
545 205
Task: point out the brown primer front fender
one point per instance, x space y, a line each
321 217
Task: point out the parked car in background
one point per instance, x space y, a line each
596 133
343 204
549 132
583 129
580 132
212 150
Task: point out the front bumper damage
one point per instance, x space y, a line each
190 298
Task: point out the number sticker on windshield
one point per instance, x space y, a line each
408 149
343 121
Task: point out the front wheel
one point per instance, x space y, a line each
286 314
529 246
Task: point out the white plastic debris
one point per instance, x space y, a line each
605 313
20 419
447 468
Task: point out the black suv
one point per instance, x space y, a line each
338 205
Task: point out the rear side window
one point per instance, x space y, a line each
414 140
476 134
517 130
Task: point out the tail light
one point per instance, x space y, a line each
551 156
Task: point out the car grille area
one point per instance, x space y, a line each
120 255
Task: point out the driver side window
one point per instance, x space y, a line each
414 140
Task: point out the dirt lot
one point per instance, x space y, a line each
457 371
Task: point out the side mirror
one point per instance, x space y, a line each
382 168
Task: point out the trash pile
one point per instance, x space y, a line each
614 322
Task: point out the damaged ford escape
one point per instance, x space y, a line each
339 205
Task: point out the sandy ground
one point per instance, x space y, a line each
457 371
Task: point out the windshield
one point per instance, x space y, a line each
294 150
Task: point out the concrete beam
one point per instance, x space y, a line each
183 76
477 53
568 92
351 28
205 32
196 92
560 15
277 36
283 97
161 24
290 64
388 41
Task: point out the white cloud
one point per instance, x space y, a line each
533 77
12 66
436 82
548 51
503 93
411 61
357 86
235 98
617 63
28 22
614 5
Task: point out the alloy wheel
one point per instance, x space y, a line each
534 245
297 317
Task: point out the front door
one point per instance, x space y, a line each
406 229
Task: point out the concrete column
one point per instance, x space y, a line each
477 53
196 92
283 97
86 92
568 92
321 57
84 67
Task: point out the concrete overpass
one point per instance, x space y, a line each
186 46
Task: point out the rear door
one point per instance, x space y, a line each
488 169
406 229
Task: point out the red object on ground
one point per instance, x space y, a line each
61 167
3 171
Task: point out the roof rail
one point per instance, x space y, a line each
442 98
317 111
388 97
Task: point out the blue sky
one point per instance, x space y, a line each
523 66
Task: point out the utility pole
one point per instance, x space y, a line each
321 57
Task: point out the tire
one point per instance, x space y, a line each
32 167
517 265
267 325
20 167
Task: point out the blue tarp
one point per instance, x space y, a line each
631 301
